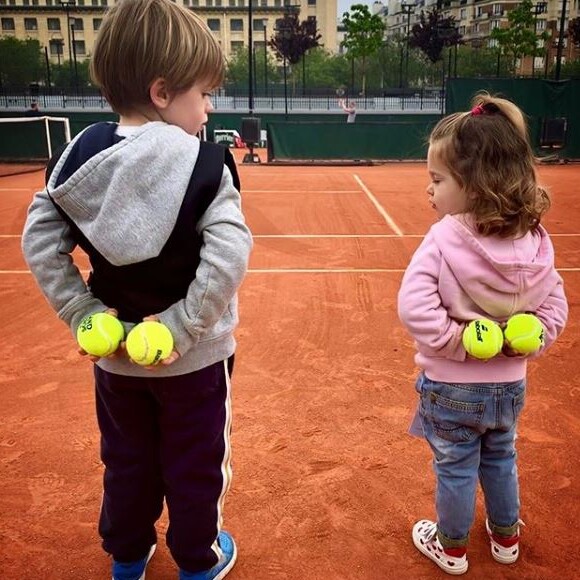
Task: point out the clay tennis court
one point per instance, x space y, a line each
327 482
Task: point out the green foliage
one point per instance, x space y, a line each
520 38
237 68
21 62
63 76
364 34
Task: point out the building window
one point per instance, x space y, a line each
311 2
97 23
241 3
264 3
104 2
236 25
541 25
79 47
497 9
209 2
236 45
218 3
258 24
463 14
7 23
79 2
495 23
77 23
55 47
277 3
53 23
30 24
214 24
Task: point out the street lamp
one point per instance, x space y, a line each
250 60
407 9
74 47
265 59
539 8
67 5
560 40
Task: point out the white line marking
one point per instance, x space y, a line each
303 270
379 207
301 191
333 236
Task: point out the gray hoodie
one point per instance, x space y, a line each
126 200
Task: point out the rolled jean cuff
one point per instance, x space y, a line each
450 542
506 531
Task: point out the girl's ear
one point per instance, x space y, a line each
159 94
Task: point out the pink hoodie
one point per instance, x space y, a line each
457 275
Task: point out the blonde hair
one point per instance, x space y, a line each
142 40
488 152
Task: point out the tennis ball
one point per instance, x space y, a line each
483 338
149 342
524 333
99 334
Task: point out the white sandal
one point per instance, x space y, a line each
426 541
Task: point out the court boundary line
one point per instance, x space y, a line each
390 222
299 271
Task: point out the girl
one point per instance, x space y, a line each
487 257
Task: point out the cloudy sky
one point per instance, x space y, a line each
344 5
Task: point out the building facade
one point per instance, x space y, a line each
68 28
476 19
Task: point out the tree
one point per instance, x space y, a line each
434 32
237 68
364 35
574 31
520 39
21 62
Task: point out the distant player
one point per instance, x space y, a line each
349 108
487 257
159 215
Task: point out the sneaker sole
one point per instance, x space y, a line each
447 569
223 573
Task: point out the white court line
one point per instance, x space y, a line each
305 271
333 236
379 207
330 236
302 191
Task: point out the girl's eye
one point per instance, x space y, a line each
207 95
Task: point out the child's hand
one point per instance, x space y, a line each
92 357
166 361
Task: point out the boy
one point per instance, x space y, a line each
159 215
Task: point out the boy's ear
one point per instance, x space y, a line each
159 94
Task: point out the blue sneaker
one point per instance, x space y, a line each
223 567
132 570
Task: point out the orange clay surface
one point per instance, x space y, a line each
327 482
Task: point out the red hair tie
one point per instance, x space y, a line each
478 110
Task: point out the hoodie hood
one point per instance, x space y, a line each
496 275
126 198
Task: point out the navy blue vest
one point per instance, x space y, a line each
149 287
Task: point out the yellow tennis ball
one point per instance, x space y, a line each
483 338
524 333
149 342
99 334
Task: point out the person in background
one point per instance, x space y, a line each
349 109
33 110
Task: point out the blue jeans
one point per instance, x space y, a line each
471 429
